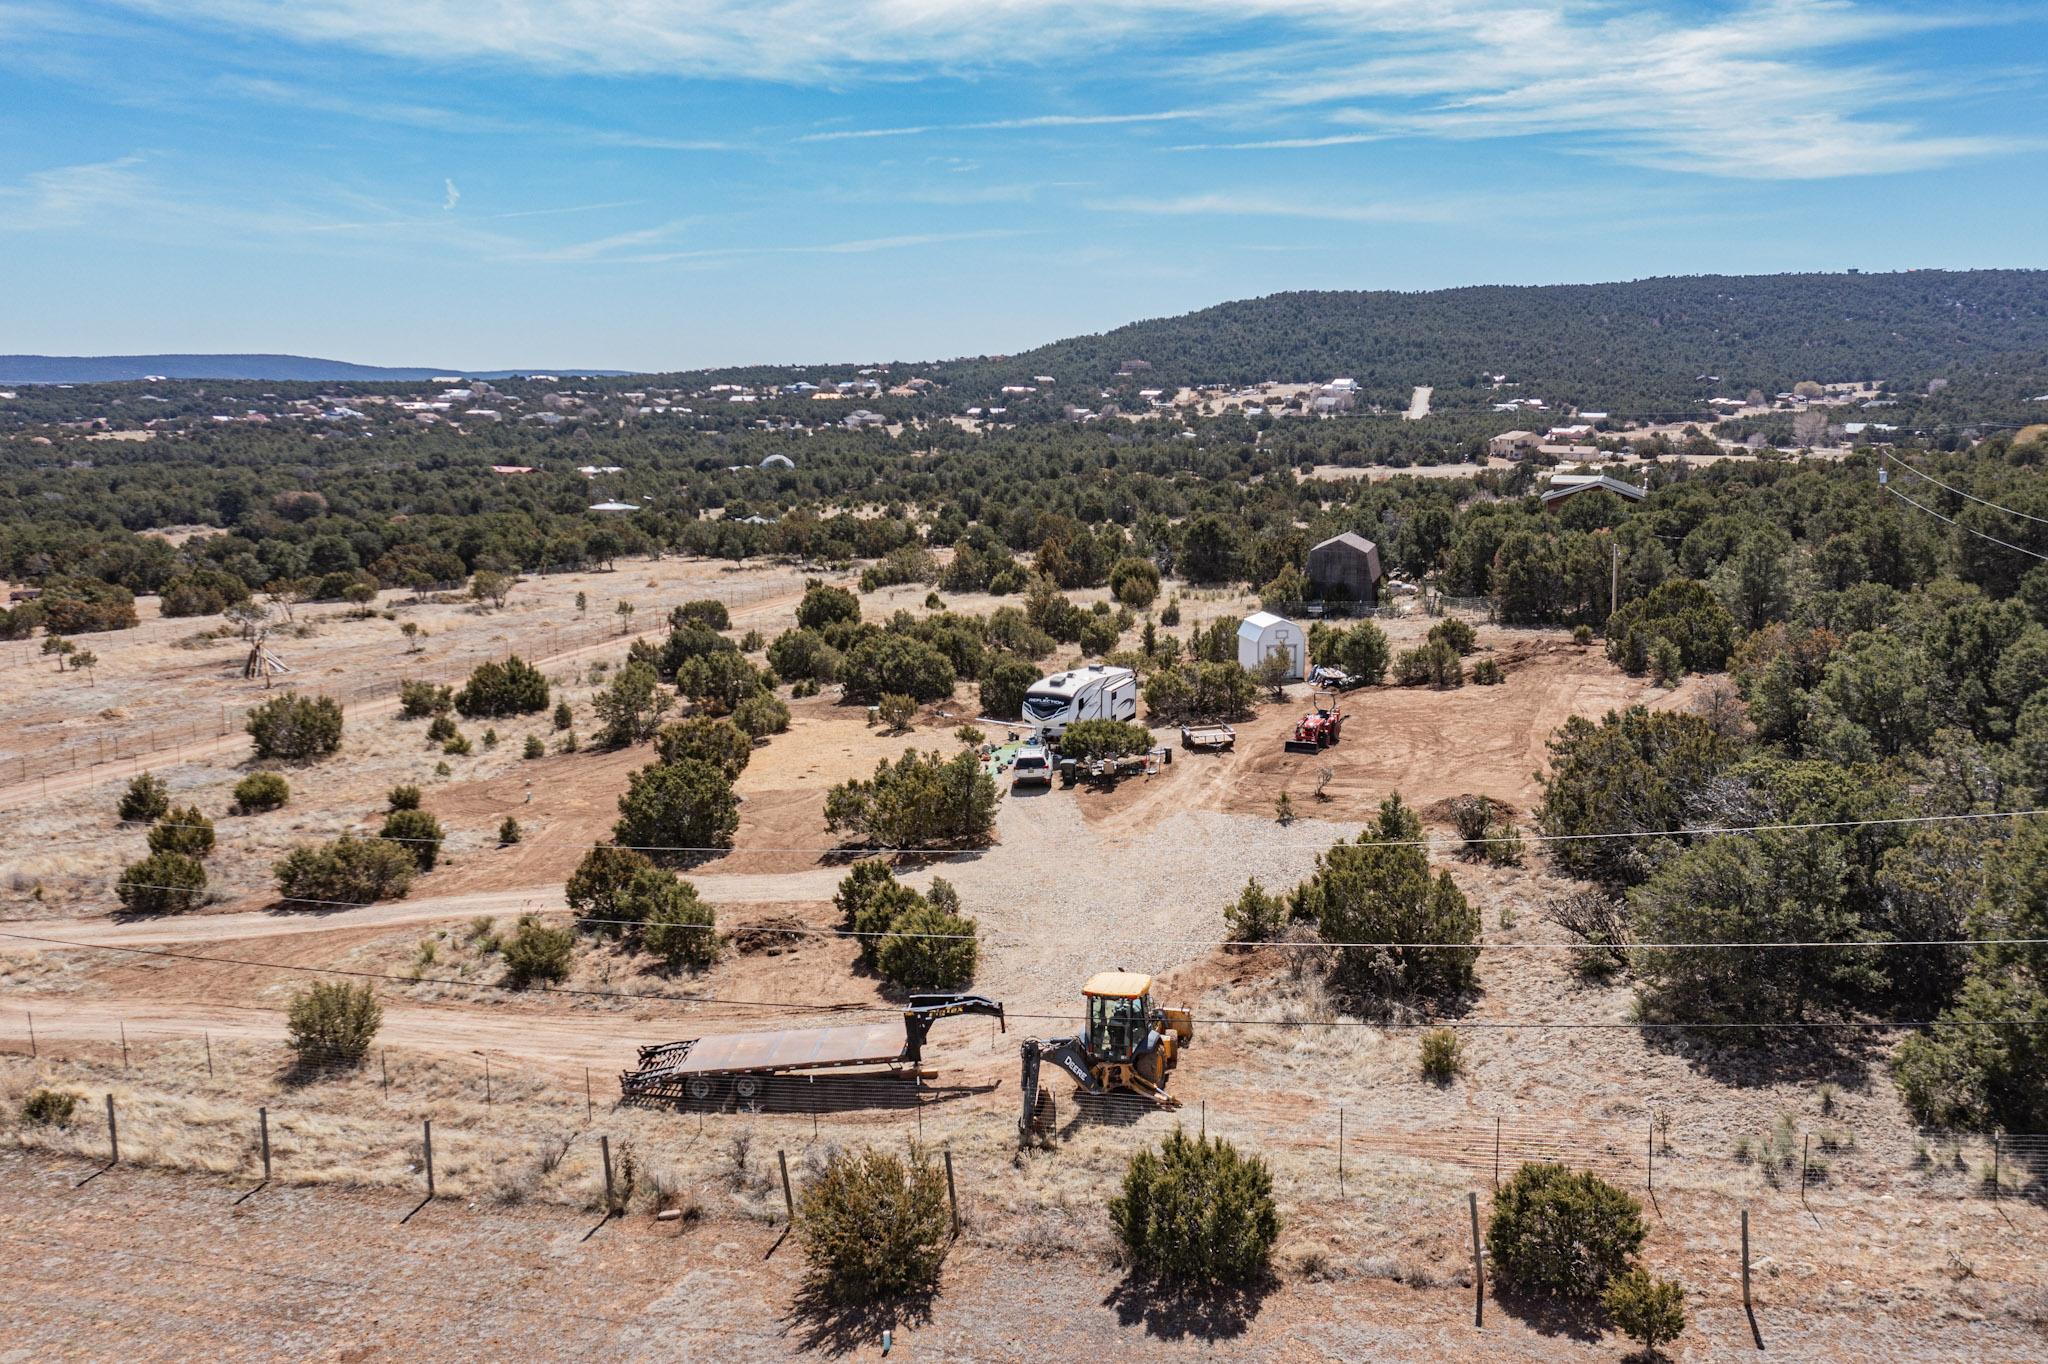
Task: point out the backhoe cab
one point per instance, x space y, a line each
1126 1046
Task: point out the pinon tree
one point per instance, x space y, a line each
1379 890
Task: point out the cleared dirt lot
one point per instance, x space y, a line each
176 682
1896 1251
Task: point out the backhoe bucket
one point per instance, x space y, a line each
1303 746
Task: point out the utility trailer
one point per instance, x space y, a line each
739 1065
1208 738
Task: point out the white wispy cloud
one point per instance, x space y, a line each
631 248
67 196
1001 124
450 196
1261 204
1284 143
1749 88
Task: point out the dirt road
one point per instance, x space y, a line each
100 930
604 1042
1418 403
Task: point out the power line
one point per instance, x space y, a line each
2006 544
1384 1025
856 854
1249 944
1948 487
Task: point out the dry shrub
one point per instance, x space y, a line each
874 1226
48 1108
1443 1055
1196 1211
1563 1231
1598 921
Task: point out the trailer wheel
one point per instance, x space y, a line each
746 1088
699 1088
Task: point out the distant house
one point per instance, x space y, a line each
1564 487
1513 444
861 417
1346 566
615 506
512 468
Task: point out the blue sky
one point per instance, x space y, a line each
660 184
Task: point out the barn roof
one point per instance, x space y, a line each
1350 539
1258 622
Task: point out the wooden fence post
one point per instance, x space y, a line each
124 1044
1340 1150
1995 1154
952 1195
1745 1260
1496 1154
31 1033
487 1082
788 1198
1478 1264
604 1144
427 1139
113 1134
1651 1150
589 1103
263 1126
384 1066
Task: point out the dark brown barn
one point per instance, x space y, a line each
1346 565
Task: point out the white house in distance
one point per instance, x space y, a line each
1263 634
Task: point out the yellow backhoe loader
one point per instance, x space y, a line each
1127 1046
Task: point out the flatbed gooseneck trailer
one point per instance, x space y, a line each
740 1064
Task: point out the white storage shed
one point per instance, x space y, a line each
1263 634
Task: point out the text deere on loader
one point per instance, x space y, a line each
1127 1046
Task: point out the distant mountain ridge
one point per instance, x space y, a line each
115 369
1639 341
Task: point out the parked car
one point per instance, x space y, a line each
1033 767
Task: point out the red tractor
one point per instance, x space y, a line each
1320 728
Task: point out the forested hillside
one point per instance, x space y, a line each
1633 346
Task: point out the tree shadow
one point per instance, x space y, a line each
838 1328
1579 1319
1841 1057
1171 1310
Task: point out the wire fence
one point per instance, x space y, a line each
219 1101
120 752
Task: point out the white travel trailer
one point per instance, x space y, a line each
1096 692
